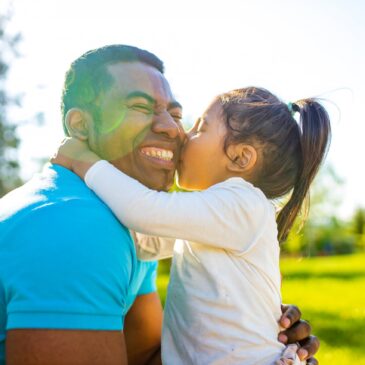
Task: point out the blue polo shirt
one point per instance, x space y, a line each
66 262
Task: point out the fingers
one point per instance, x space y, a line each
290 315
70 150
61 160
309 347
299 331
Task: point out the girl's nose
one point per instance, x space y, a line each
190 132
182 134
185 142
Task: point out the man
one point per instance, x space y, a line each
71 288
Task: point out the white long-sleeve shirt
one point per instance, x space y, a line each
223 302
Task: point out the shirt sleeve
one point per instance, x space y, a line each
148 284
229 215
151 248
72 271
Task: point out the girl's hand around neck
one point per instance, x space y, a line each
75 155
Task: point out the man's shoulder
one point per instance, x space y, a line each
57 199
69 224
87 217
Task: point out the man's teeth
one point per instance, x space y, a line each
159 153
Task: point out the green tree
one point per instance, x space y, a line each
358 227
359 221
323 232
9 142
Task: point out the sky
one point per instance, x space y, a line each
294 48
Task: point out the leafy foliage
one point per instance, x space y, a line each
9 142
324 233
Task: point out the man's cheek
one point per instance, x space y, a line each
112 121
115 147
112 151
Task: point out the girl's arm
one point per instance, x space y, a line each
75 155
229 215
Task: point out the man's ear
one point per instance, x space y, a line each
243 158
78 123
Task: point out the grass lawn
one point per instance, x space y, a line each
330 291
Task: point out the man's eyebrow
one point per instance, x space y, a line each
174 104
141 94
150 99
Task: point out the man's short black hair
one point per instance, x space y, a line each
87 75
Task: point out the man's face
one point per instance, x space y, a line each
140 129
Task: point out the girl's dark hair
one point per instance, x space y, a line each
289 153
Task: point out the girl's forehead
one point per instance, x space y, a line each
214 109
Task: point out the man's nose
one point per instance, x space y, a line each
165 124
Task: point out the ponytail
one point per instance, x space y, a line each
290 153
314 140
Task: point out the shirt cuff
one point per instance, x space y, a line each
94 170
64 321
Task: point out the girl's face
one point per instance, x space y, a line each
203 160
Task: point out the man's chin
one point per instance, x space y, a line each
160 186
156 180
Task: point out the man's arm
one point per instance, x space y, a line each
68 287
142 326
60 347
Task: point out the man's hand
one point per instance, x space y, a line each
298 330
75 155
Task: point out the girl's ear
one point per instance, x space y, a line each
243 158
78 123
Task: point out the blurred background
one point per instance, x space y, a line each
294 48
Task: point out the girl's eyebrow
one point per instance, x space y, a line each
204 120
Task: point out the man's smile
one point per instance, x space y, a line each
162 156
159 153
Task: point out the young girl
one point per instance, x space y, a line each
223 299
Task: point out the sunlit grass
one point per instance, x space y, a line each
331 295
330 291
